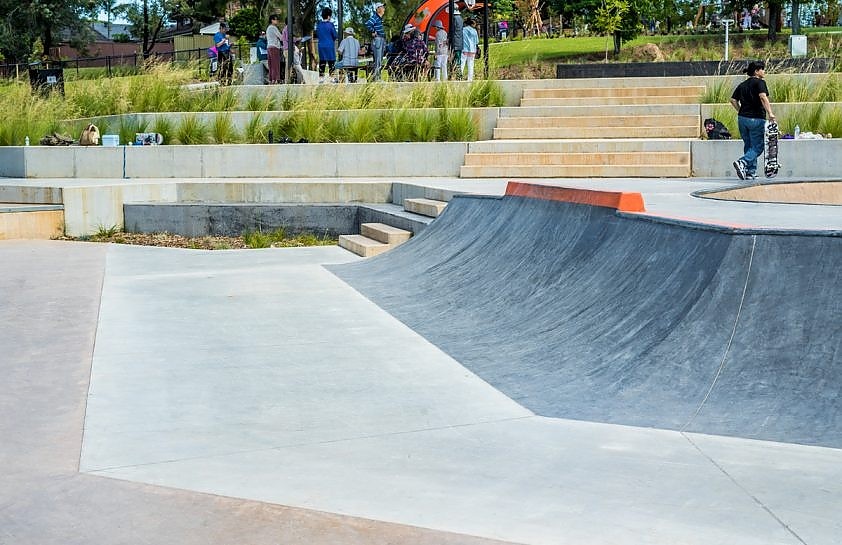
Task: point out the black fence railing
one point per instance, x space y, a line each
115 64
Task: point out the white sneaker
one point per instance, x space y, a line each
740 167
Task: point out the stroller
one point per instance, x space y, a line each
214 60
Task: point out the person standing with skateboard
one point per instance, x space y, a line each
751 100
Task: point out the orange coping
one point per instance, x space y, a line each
618 200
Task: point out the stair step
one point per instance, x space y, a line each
362 245
425 207
581 145
384 233
31 221
619 101
678 131
632 122
694 91
600 110
536 159
576 171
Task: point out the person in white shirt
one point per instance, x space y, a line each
349 48
442 52
470 40
273 41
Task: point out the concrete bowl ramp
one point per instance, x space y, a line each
827 193
577 312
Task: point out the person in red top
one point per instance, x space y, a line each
751 100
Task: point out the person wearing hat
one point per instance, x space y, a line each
223 52
378 39
751 100
349 48
442 52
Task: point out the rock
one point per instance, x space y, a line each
652 53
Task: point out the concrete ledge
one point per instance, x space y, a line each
801 158
31 224
238 161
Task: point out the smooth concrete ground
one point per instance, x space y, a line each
160 396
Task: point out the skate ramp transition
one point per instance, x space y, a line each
582 312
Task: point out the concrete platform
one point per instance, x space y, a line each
254 396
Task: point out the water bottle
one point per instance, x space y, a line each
26 141
797 131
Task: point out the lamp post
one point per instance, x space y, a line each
727 23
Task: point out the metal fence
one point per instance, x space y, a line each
114 64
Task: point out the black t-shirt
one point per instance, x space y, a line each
748 95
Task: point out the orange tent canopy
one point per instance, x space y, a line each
436 10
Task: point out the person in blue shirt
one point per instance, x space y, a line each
223 53
378 39
326 36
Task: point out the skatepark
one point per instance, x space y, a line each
558 360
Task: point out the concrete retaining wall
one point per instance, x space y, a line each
236 161
194 220
802 158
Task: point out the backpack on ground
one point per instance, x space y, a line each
716 130
89 136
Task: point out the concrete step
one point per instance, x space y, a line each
694 91
679 131
582 145
601 110
628 122
384 233
362 245
576 171
536 159
31 221
608 101
425 207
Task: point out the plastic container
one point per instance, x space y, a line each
797 132
111 140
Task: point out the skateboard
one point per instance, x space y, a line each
770 140
148 139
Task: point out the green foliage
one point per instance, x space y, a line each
459 126
397 126
191 130
256 131
222 129
279 238
129 125
363 127
246 23
164 126
426 126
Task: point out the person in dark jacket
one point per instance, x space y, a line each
326 36
751 100
457 43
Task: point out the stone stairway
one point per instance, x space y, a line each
376 238
641 131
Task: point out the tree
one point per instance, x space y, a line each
246 23
22 21
609 19
148 18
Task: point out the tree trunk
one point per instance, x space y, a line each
796 17
774 17
145 29
617 43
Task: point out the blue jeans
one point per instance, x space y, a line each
752 131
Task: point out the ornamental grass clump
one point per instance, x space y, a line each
191 130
